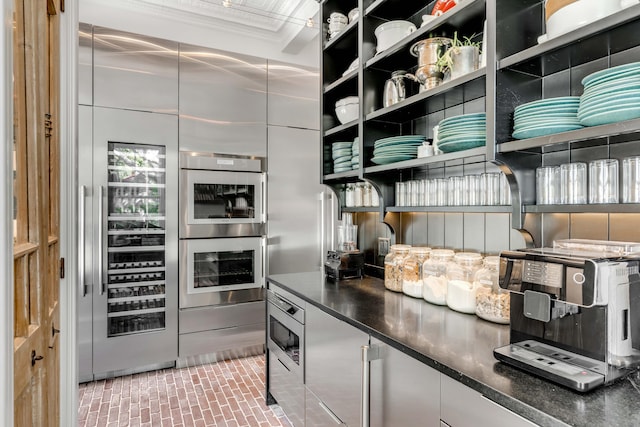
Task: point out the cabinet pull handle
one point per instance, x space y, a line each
331 414
81 240
100 225
364 395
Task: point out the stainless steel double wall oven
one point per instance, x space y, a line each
222 252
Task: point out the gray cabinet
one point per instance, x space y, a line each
293 201
403 391
293 98
461 406
223 102
317 413
287 389
333 364
134 72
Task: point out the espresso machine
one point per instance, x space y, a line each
575 311
347 262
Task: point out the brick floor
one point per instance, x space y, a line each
229 393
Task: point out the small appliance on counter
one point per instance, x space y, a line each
341 265
347 262
575 311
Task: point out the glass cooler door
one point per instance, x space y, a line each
135 274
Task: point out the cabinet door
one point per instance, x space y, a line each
333 363
403 391
462 406
317 414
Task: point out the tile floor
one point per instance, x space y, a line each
228 393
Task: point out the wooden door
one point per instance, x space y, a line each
36 251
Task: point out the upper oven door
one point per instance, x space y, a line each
220 271
221 203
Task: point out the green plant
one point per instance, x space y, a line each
445 62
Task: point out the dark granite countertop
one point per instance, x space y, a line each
461 346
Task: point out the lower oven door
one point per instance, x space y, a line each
286 340
221 271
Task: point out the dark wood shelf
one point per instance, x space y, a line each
398 56
599 39
539 144
587 208
349 77
462 209
355 173
474 155
454 92
346 39
341 128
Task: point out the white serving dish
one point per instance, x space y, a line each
391 32
578 14
347 109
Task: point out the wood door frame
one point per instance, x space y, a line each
68 212
6 214
68 138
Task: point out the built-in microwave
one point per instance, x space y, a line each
221 271
221 196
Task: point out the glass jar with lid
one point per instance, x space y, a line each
350 200
461 295
393 267
434 276
412 271
492 302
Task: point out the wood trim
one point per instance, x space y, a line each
21 294
22 249
20 127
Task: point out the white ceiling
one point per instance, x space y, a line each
282 23
271 29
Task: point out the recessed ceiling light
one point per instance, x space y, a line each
226 3
310 23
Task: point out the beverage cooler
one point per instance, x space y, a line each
128 201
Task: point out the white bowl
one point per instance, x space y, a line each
392 32
348 100
353 66
354 14
578 14
347 109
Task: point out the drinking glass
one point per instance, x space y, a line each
441 191
400 194
490 189
603 181
455 190
631 180
471 190
548 185
573 183
505 190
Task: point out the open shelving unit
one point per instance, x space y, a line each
518 70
